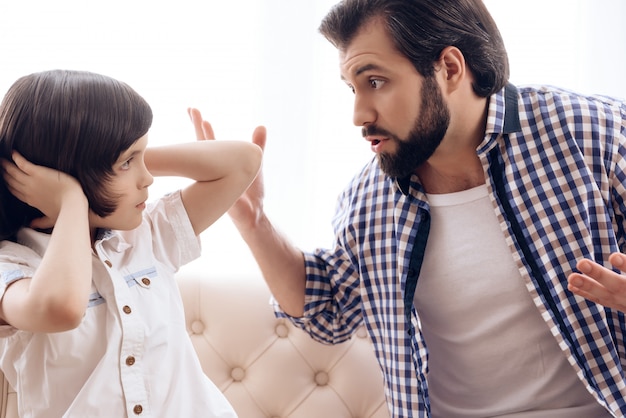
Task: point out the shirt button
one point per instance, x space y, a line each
145 281
138 409
127 309
108 263
130 360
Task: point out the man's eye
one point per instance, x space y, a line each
376 83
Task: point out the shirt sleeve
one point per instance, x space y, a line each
332 306
619 180
174 241
16 262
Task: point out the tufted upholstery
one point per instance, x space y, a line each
265 366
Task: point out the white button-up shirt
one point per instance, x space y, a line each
131 356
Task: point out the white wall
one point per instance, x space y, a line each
256 62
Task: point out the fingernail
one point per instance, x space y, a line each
585 267
576 281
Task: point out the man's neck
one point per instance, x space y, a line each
451 174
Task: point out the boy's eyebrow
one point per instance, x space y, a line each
126 155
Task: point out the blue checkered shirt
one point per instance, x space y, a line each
555 169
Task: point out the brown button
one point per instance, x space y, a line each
108 263
145 281
130 360
127 309
138 409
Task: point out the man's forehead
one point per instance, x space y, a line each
370 49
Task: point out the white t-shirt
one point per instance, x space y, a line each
131 356
490 352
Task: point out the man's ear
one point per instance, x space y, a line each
452 69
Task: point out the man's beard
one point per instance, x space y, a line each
427 133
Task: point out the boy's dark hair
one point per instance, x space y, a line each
76 122
421 29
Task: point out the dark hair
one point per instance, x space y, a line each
76 122
421 29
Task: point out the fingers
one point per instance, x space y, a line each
207 129
13 174
18 161
605 277
259 136
203 128
588 288
599 284
618 260
196 120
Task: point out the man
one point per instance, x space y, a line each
455 245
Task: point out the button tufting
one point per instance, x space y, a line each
237 374
281 330
197 327
361 332
321 378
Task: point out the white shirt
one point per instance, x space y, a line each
490 352
131 356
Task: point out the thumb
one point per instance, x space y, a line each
259 136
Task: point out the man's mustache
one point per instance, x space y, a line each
371 130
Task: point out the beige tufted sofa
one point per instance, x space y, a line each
265 366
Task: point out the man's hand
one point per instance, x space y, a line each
203 128
600 284
246 210
40 187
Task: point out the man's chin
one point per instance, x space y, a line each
392 167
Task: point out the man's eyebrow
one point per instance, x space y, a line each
360 70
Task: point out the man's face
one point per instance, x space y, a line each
403 114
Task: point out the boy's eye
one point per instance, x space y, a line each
126 164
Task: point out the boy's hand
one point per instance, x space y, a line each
40 187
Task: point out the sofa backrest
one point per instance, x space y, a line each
266 367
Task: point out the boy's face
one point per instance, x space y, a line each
129 183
